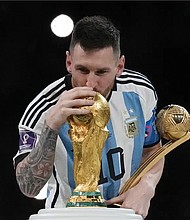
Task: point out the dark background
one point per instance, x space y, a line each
155 40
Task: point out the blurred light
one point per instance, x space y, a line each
43 193
62 25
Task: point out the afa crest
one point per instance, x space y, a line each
131 126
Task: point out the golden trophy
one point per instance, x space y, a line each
173 124
88 134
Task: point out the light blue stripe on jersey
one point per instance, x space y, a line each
63 133
134 108
110 188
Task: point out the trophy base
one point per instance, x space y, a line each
86 199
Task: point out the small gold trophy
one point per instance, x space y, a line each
88 134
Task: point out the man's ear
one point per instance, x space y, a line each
120 66
68 61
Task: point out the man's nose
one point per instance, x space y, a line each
91 80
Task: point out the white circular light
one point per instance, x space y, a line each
62 25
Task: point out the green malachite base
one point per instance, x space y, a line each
86 199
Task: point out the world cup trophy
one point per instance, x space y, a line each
173 124
88 134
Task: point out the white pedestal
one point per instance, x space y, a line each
85 213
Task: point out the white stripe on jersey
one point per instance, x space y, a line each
61 175
118 126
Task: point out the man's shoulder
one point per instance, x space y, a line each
63 82
134 79
43 101
132 76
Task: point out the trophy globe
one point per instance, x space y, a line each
173 122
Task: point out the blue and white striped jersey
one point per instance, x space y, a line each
131 127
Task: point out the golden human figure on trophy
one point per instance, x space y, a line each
88 134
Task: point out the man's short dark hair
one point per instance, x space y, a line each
95 32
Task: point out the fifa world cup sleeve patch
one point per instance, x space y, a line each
27 140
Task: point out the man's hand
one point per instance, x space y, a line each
68 104
136 198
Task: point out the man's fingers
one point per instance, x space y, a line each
80 92
114 200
